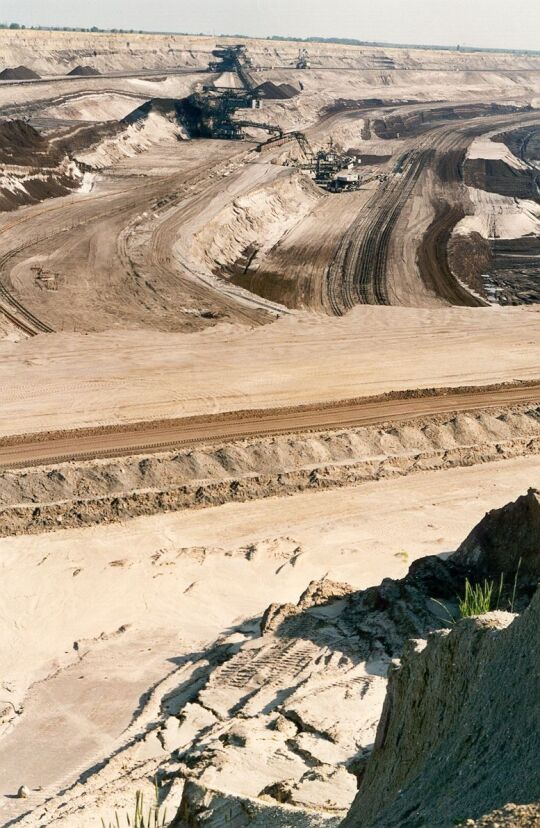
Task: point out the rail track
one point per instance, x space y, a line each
358 273
163 189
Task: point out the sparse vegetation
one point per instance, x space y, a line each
479 599
402 556
153 818
483 597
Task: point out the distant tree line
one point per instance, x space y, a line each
77 29
345 41
351 41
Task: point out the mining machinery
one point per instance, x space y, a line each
344 182
303 61
331 168
234 59
271 128
209 114
225 58
330 161
283 138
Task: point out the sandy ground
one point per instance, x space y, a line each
148 245
166 219
498 216
91 98
92 619
70 380
130 600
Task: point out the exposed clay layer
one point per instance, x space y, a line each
514 270
417 122
524 143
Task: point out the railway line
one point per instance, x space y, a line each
158 196
359 271
168 435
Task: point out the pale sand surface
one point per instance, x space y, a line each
501 217
70 380
484 147
83 585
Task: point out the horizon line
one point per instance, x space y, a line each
344 41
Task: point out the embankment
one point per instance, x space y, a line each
104 491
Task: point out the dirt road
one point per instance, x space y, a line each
391 253
111 441
83 240
123 252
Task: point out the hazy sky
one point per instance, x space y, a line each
500 23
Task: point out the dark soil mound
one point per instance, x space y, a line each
19 73
495 176
468 258
84 70
23 145
168 107
288 90
506 539
276 92
35 190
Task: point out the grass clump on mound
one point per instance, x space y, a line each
154 817
482 598
479 599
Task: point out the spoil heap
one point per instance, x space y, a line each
19 73
84 70
22 145
275 91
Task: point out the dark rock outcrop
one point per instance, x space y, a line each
460 730
505 540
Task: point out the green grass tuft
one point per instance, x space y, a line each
153 818
479 599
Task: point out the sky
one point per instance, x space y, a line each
510 24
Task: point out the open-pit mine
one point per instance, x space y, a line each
269 353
